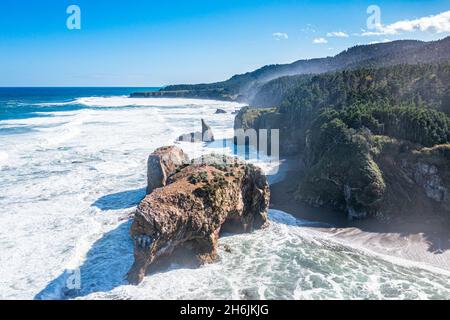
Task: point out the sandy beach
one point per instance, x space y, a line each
423 239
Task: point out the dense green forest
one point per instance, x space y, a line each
421 85
405 101
343 151
427 127
350 127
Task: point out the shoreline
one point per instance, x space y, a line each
420 239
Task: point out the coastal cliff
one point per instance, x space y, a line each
390 178
359 171
197 202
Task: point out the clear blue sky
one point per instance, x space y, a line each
153 43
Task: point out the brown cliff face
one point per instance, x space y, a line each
201 200
161 164
417 180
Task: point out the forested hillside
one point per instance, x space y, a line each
421 85
370 126
243 87
368 138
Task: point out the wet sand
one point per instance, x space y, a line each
418 237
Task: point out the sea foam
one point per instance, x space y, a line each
3 158
71 183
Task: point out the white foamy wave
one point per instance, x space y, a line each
56 136
313 233
288 260
3 158
74 178
55 104
125 101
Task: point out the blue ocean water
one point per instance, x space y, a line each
73 168
17 103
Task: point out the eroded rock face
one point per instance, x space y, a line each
161 164
427 176
199 201
430 172
268 119
207 133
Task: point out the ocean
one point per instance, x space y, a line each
73 168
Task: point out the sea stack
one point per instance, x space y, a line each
200 200
207 133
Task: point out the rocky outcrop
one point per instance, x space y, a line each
162 163
201 200
427 176
344 177
270 119
429 170
386 179
206 135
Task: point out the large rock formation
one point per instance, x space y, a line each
161 164
209 196
389 178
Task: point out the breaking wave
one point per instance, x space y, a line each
68 186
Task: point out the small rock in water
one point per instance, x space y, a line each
220 111
227 248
